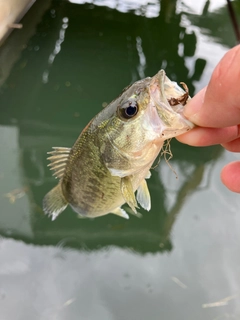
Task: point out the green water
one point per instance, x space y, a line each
173 262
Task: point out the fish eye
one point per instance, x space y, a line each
129 111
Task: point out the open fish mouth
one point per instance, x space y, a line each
169 99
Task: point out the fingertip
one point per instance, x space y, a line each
230 176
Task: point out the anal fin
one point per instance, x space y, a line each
120 212
54 202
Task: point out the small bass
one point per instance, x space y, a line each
111 158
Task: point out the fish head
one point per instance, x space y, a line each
136 124
149 110
169 100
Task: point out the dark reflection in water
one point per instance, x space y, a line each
216 24
82 56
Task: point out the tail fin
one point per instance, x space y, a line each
54 202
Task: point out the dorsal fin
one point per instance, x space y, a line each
58 158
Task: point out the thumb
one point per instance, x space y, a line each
218 105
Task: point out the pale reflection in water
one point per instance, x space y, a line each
57 49
64 283
146 8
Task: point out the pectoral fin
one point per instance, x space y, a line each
128 194
120 212
143 196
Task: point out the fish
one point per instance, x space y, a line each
110 161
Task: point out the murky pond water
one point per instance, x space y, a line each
178 261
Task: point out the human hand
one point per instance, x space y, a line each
216 112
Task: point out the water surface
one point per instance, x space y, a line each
178 261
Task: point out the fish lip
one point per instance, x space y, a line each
162 89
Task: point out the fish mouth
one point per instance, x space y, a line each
169 100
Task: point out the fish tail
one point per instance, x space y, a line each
54 202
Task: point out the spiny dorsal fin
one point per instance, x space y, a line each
58 158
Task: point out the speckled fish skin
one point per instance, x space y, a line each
113 155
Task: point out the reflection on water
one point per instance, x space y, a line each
145 8
57 47
216 24
76 59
